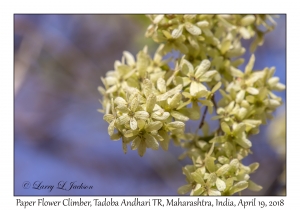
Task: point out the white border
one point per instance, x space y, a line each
8 8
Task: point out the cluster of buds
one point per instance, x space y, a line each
147 103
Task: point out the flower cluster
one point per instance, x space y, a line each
146 103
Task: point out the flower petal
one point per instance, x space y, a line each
133 123
151 142
192 29
196 87
143 115
221 186
153 126
142 148
202 68
135 143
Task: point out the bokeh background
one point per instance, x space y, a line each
60 136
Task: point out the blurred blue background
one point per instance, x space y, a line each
60 136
